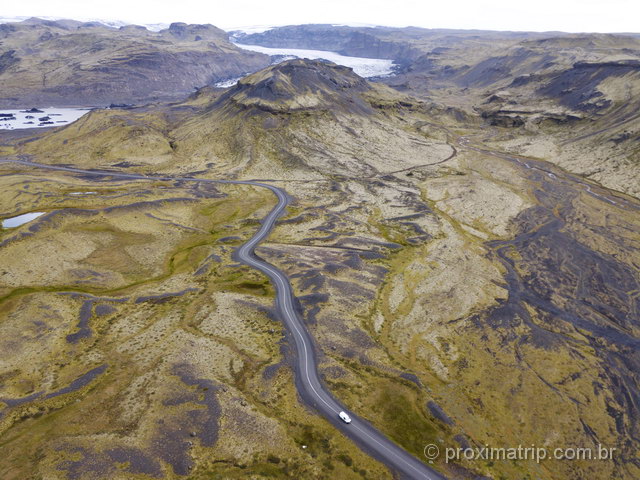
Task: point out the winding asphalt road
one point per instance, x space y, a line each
308 382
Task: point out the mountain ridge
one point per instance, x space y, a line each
85 64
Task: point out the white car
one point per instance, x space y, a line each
345 418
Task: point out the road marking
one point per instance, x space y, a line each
245 251
391 452
304 345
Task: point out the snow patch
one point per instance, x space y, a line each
45 117
365 67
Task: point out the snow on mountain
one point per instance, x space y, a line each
365 67
154 27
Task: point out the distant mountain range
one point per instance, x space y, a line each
66 62
579 92
537 82
154 27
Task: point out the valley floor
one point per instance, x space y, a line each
456 294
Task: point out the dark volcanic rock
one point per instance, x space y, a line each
7 59
437 411
84 330
185 31
301 85
121 105
502 119
577 88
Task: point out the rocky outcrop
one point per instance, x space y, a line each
301 85
503 119
7 59
194 33
578 87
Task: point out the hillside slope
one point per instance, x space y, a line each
71 63
571 99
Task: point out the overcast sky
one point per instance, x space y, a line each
536 15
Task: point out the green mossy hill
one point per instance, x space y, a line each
294 119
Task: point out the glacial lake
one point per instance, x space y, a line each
46 117
20 219
365 67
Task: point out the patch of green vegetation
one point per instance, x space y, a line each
258 470
405 421
259 288
395 405
235 280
